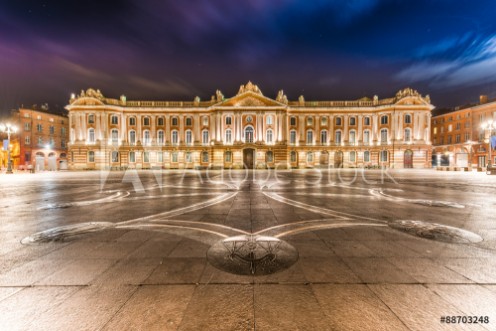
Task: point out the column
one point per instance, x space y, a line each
317 129
212 126
400 133
331 129
374 128
167 129
360 130
180 118
98 133
346 120
301 127
197 124
428 133
123 135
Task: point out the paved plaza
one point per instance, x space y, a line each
242 250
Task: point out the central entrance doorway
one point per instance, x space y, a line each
249 158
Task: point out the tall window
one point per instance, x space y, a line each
323 121
309 137
160 157
204 156
352 120
292 121
91 135
408 118
268 137
309 120
269 120
352 137
174 121
384 136
353 156
174 157
160 137
292 137
160 121
249 134
384 156
366 156
228 120
366 120
323 137
146 121
132 137
51 129
175 137
146 157
132 120
114 119
228 157
337 138
91 118
27 140
338 120
91 156
132 157
205 138
115 156
189 157
205 120
115 136
408 137
189 137
189 121
40 141
384 119
228 139
269 157
292 156
366 137
310 157
27 126
39 127
146 138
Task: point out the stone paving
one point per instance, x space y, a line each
373 250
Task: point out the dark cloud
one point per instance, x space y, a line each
325 49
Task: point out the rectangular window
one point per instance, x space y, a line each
337 139
292 137
27 126
115 156
228 120
366 121
292 121
91 156
309 157
132 157
114 119
228 157
323 121
338 120
52 129
40 141
91 118
146 157
293 156
309 137
174 157
467 136
160 156
352 137
189 157
457 138
323 137
383 156
174 121
27 157
27 140
228 136
366 156
39 127
63 144
352 121
62 131
205 137
366 137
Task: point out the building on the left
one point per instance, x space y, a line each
42 139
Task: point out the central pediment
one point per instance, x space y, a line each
250 99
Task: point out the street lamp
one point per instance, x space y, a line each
9 129
490 126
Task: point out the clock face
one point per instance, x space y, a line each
249 119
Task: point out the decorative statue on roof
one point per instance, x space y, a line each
301 100
219 95
196 101
280 96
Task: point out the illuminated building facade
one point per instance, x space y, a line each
249 130
43 139
460 137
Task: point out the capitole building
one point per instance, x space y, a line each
249 130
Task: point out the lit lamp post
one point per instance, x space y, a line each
9 129
489 126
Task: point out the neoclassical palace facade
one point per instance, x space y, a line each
249 130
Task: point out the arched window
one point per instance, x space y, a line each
205 137
269 137
160 121
366 120
249 134
132 137
408 119
323 137
146 138
352 137
160 137
205 120
352 156
323 121
337 137
91 135
352 120
175 137
384 119
228 139
366 137
189 137
338 120
309 137
292 137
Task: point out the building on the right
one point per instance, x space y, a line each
461 137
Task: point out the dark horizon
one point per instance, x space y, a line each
324 50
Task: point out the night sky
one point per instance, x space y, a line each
175 50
